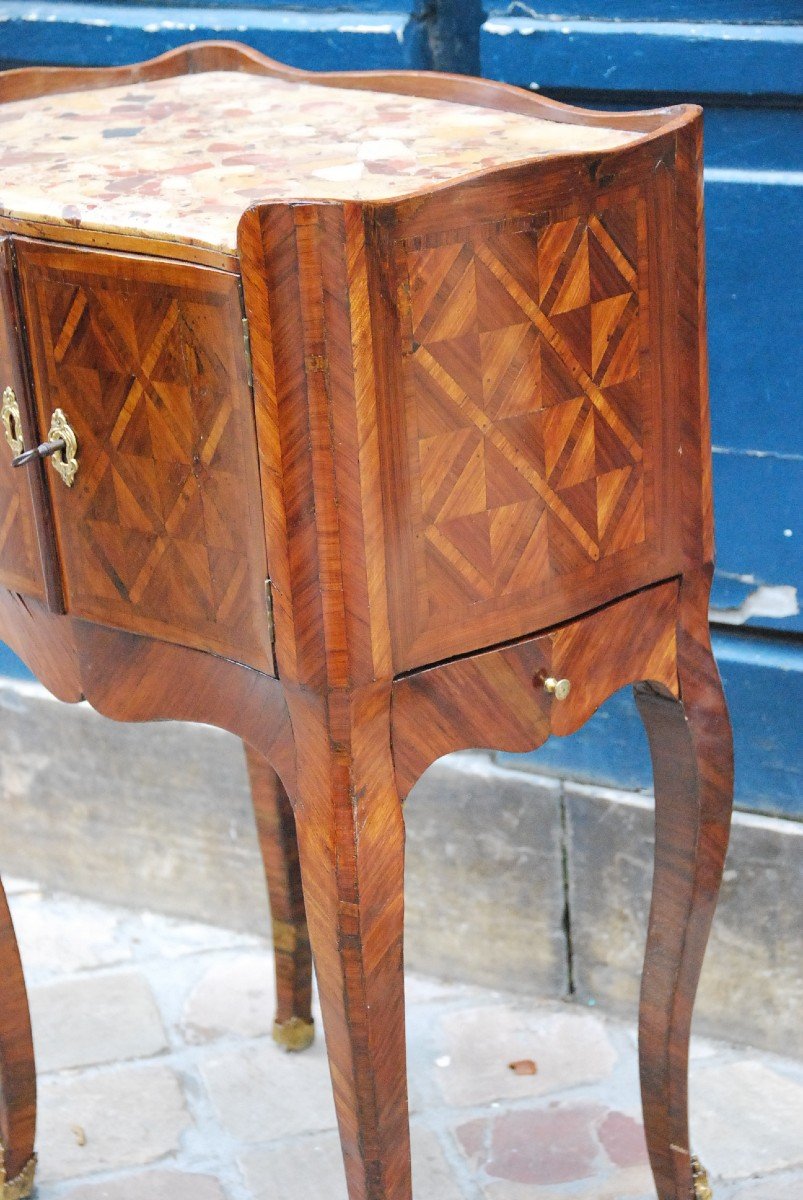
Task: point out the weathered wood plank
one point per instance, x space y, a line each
91 35
634 55
662 10
754 323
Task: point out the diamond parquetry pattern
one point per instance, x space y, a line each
161 526
523 383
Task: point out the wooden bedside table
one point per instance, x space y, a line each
377 418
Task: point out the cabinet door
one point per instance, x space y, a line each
26 555
161 532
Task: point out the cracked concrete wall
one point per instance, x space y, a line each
526 883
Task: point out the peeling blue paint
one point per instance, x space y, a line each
783 11
756 501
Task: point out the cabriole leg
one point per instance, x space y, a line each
692 754
293 1027
17 1072
351 842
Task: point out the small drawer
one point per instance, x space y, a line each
514 697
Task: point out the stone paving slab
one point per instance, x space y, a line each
182 1095
155 1185
104 1120
97 1035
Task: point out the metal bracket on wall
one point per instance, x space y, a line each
249 365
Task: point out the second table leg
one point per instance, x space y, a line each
276 827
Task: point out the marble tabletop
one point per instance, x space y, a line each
182 158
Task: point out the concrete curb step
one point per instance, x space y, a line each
513 879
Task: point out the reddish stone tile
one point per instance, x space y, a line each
623 1139
473 1138
536 1146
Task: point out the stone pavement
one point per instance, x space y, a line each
159 1081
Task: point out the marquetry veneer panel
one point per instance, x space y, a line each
533 426
162 532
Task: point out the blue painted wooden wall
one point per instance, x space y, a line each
743 59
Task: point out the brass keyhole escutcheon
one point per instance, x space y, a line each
61 447
12 422
559 688
65 461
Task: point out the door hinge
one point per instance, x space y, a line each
269 612
249 365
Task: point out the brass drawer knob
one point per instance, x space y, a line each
61 447
559 688
12 422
